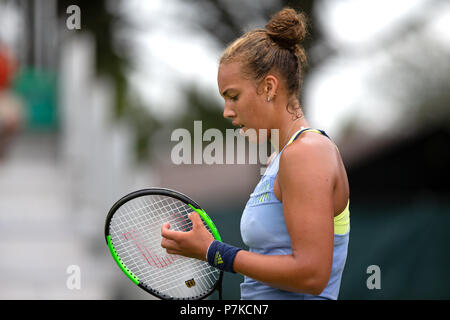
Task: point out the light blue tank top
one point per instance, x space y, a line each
264 231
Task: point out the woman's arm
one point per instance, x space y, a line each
306 180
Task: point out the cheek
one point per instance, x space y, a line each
251 109
254 107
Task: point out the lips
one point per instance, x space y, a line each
241 126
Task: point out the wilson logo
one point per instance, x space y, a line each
190 283
151 258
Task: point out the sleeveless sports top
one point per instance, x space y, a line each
264 231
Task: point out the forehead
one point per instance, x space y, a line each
229 74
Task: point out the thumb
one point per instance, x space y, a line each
164 228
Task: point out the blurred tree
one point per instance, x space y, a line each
113 60
420 83
223 20
413 78
227 20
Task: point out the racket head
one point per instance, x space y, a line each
133 235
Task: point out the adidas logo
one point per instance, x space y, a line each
218 259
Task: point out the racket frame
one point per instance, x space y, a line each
161 192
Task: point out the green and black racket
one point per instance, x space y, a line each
133 235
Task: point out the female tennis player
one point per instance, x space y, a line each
296 222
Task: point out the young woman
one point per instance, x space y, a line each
296 222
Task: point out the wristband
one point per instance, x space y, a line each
221 255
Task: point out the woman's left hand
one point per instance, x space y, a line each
193 244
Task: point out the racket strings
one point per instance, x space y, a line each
136 234
165 280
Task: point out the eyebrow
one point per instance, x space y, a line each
226 91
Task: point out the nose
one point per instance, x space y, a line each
228 112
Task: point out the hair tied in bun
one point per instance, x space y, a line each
287 28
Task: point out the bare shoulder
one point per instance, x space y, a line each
308 166
312 150
307 173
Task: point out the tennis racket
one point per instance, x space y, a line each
133 236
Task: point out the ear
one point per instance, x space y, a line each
270 86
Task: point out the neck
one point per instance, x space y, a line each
286 131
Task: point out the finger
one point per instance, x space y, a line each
165 226
196 219
167 233
171 251
169 244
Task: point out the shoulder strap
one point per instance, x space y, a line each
299 132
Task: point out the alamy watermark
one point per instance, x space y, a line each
374 280
73 281
73 22
228 149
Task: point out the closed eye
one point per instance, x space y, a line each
230 94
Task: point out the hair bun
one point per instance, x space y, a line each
287 28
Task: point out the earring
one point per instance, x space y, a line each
268 98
